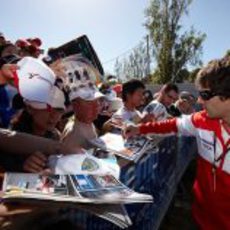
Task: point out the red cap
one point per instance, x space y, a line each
21 43
35 41
117 88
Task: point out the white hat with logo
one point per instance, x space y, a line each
35 80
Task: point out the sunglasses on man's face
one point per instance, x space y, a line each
206 95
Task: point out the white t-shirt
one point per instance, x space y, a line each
127 115
157 109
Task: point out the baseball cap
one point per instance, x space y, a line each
28 46
57 98
117 88
35 41
88 93
35 80
9 59
115 102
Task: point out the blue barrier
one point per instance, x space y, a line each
157 173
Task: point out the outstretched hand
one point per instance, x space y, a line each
130 131
36 163
148 118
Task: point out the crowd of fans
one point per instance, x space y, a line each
73 114
70 118
75 118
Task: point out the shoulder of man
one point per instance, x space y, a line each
202 120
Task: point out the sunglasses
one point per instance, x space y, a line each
207 94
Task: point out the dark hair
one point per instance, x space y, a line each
130 87
170 87
17 102
148 96
23 122
9 59
109 77
148 93
216 77
103 88
3 47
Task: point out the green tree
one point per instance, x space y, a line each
227 53
172 48
183 75
118 69
193 75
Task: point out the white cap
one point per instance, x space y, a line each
36 105
110 94
35 80
87 93
57 98
115 102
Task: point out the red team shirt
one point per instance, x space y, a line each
211 208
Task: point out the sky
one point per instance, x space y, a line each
114 27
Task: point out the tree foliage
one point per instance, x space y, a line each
172 49
227 53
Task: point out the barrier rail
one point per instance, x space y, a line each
158 173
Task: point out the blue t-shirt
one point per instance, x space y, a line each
7 94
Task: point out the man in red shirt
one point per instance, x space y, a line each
211 127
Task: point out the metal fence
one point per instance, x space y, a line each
158 173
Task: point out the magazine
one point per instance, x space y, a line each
81 188
106 188
131 149
102 195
